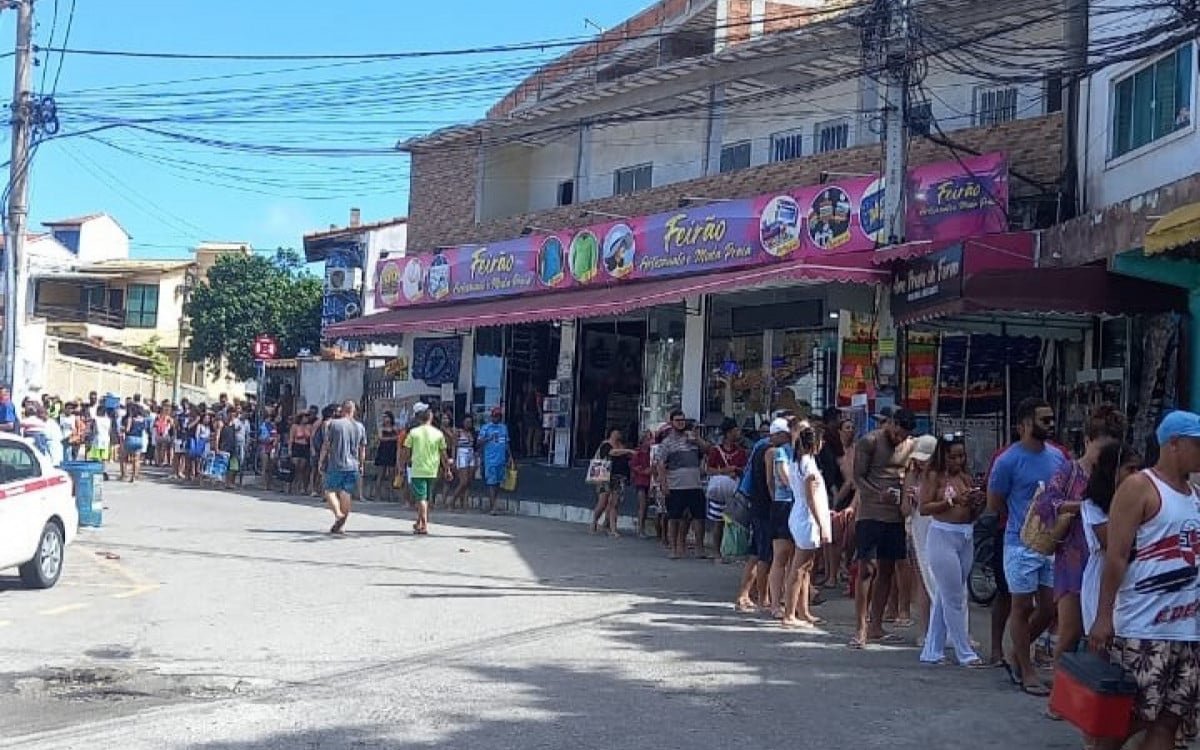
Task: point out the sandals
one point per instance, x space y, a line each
856 644
337 525
1038 690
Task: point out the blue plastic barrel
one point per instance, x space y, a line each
111 402
89 496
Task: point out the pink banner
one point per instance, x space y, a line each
945 202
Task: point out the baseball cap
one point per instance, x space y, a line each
924 447
419 407
904 419
885 413
1178 424
779 425
497 411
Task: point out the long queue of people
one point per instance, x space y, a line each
1095 549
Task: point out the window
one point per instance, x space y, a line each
1054 93
1152 102
831 136
68 238
141 306
994 106
566 192
920 118
786 146
17 463
735 156
632 179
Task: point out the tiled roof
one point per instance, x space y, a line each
334 231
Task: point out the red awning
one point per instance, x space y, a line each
1081 290
1015 245
599 301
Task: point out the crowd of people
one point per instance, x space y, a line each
134 433
1096 548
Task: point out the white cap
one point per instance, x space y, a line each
780 425
419 407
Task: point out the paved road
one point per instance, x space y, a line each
200 619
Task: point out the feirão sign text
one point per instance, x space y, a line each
946 201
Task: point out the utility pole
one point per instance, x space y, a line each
185 292
897 60
15 278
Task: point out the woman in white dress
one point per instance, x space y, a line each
810 526
1115 463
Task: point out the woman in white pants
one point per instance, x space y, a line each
947 494
916 524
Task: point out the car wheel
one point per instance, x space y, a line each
43 570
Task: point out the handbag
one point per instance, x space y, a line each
599 470
736 541
510 478
1035 534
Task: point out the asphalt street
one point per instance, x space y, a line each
220 621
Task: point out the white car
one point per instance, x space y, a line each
38 518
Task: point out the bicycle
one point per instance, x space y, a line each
981 585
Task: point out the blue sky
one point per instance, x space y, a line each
170 194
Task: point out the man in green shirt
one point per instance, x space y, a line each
425 452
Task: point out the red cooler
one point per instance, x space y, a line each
1093 695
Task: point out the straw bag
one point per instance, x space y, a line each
1034 534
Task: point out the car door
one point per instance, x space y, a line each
22 512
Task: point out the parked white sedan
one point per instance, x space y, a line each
38 518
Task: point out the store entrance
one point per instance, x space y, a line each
532 358
611 354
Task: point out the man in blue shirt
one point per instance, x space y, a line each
8 412
493 444
1016 477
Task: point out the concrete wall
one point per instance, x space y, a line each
69 377
1109 180
100 239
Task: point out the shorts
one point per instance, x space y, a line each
300 451
1025 570
1167 674
422 488
339 481
879 540
615 484
98 454
780 529
720 489
135 446
493 474
760 539
680 502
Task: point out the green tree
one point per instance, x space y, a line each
160 363
249 296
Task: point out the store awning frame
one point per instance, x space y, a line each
1078 290
599 301
1177 229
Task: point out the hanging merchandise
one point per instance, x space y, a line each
920 369
857 371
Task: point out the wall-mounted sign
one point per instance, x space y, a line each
928 280
946 202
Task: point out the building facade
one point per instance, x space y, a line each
716 175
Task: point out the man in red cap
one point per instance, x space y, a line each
493 446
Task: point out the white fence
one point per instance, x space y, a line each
69 377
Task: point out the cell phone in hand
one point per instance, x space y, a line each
894 493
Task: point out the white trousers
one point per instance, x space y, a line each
950 550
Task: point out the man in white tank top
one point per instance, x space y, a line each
1149 611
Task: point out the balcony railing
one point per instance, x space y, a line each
101 316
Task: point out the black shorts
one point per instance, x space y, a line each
680 502
760 539
880 540
779 521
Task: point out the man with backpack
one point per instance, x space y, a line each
755 489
